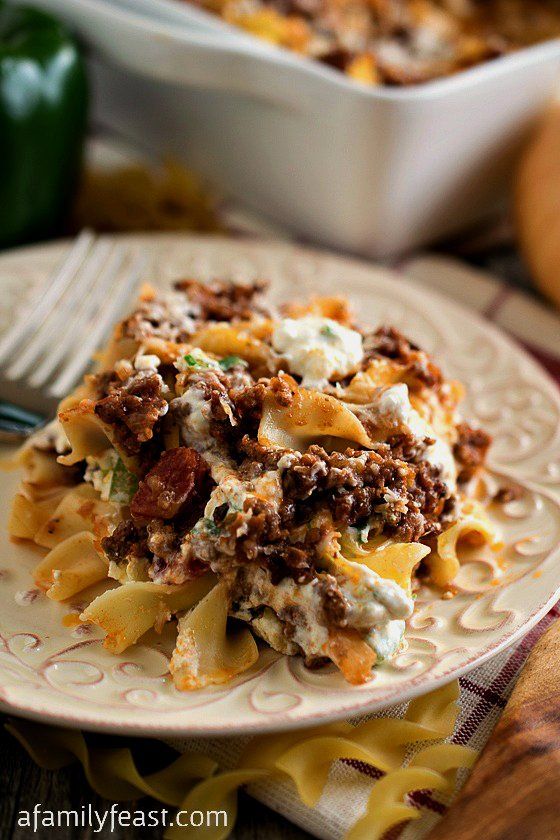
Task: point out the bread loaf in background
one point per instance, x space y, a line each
537 205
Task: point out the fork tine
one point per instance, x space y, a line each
65 338
105 317
44 341
46 296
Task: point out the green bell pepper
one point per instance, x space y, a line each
43 110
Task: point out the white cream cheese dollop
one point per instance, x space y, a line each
317 349
378 606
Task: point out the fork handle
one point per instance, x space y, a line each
17 423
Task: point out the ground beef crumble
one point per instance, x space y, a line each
335 605
470 450
235 402
172 318
223 301
407 501
388 342
132 409
128 541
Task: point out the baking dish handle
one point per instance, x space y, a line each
180 56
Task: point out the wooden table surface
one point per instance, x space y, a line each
23 784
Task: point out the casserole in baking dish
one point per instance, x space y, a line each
375 170
394 42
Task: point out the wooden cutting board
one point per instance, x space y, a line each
513 792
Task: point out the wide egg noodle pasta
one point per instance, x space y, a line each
86 432
311 418
298 755
111 772
224 340
444 563
205 654
41 468
351 654
118 348
131 609
307 757
362 387
336 308
383 742
71 567
391 560
217 793
29 513
78 510
88 435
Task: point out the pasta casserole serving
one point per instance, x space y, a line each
395 42
247 472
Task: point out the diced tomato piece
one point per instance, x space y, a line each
176 479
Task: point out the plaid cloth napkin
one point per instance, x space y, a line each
485 690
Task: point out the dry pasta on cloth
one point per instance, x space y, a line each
387 776
376 763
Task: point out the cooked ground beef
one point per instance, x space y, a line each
170 564
407 447
171 317
470 450
222 301
335 605
132 409
164 541
178 479
286 560
258 458
128 541
235 402
405 500
282 389
408 500
390 343
157 542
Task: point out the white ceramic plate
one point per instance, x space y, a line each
55 673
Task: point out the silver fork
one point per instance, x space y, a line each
45 352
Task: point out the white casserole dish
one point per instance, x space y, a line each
372 170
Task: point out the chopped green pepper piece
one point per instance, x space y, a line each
192 362
229 362
124 484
